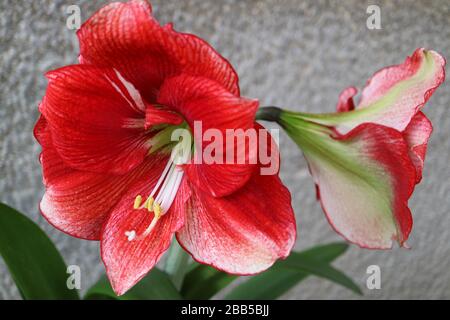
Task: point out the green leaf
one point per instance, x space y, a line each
279 279
319 269
203 282
155 286
35 264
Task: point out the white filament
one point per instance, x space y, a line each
166 189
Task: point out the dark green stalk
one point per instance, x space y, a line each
269 114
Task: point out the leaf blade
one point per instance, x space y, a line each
35 264
320 269
155 286
203 282
275 282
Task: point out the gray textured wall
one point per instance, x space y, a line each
296 54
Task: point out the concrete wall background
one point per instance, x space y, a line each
296 54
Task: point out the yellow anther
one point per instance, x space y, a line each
158 211
137 202
149 204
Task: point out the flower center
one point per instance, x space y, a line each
164 192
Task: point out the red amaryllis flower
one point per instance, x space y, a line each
105 129
366 160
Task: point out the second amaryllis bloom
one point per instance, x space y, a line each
105 132
366 159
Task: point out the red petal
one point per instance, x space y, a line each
78 202
196 57
416 135
129 261
52 165
208 103
345 102
392 97
365 179
244 233
398 92
126 37
96 119
159 115
383 80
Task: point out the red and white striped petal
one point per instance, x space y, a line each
79 202
97 119
128 260
405 87
244 233
416 135
126 37
364 180
395 94
392 96
213 107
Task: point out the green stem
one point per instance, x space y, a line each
176 264
269 114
